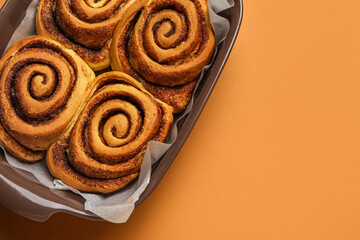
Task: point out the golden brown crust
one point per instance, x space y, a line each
164 44
19 151
41 83
178 97
85 27
58 164
110 136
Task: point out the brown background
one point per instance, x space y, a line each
275 154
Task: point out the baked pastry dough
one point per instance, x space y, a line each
41 91
96 132
104 150
164 44
86 26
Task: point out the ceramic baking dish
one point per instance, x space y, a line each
13 184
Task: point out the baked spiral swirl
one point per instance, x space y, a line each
165 44
104 150
86 26
41 89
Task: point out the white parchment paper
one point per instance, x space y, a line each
116 207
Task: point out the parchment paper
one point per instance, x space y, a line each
116 207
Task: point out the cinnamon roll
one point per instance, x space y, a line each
104 150
41 92
86 26
164 44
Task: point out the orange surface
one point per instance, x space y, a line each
274 155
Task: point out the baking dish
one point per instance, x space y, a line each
14 183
